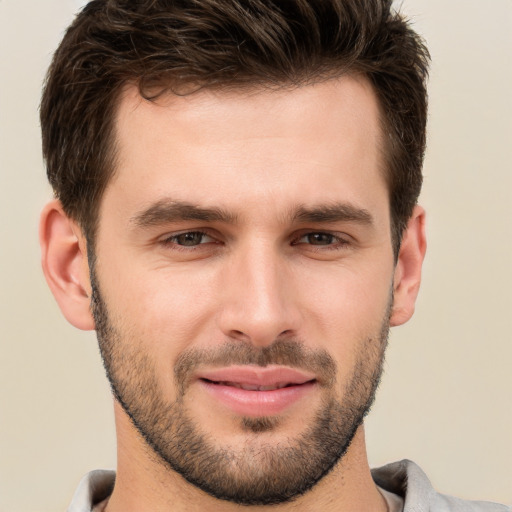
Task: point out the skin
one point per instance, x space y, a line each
259 156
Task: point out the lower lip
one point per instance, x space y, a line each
258 403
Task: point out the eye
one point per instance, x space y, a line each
317 239
320 238
189 239
325 245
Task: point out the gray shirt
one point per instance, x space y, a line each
406 479
403 478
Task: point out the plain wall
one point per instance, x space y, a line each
445 400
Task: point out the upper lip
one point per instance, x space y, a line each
257 377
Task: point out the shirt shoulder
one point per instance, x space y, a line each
94 487
443 502
406 479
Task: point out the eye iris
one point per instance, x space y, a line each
189 239
320 239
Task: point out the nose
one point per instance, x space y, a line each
259 304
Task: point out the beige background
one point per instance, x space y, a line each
446 398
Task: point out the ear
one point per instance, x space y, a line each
64 261
407 276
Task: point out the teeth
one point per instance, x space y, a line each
249 387
254 387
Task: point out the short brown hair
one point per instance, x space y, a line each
184 45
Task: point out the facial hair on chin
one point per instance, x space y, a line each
257 474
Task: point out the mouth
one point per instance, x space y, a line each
253 387
255 391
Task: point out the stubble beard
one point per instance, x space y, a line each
259 472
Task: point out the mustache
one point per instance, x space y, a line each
292 353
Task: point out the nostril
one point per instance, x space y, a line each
238 335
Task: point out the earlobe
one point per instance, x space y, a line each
64 262
407 276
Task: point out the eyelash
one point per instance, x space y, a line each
171 240
339 242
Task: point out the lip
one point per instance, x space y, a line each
257 391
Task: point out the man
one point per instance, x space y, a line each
235 215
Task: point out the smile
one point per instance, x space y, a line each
255 391
253 387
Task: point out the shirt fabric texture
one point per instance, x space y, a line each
403 478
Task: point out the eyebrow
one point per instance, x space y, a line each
338 212
167 210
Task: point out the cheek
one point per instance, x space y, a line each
162 308
348 299
345 313
168 308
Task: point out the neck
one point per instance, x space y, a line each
144 484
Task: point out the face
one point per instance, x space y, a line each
243 279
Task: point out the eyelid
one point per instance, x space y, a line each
341 238
170 238
340 241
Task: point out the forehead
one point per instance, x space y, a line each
237 147
257 110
